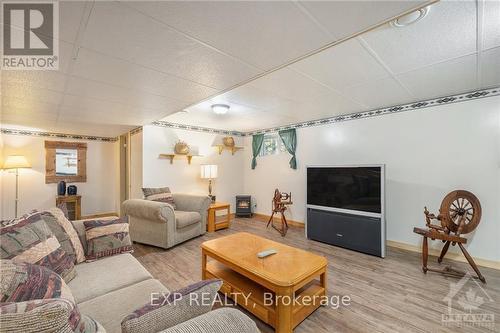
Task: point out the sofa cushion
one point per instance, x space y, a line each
99 277
41 315
110 309
24 282
169 310
65 233
160 194
183 219
30 240
107 238
80 230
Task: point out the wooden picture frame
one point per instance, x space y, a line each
50 162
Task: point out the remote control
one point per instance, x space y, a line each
266 253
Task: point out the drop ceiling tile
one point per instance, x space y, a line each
251 97
90 128
344 18
29 93
237 27
381 93
15 106
105 92
326 106
52 80
288 84
447 78
137 38
70 16
341 66
448 31
99 67
490 68
491 24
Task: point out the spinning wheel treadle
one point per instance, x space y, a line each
460 213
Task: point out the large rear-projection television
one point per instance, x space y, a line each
346 206
352 188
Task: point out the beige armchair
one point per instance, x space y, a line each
157 223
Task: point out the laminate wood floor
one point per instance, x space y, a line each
387 295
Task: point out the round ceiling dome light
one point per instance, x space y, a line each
220 108
410 18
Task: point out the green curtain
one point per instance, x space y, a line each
256 147
289 138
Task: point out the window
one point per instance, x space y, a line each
272 145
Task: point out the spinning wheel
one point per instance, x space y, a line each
280 202
460 213
458 205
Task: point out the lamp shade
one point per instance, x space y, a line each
208 171
16 162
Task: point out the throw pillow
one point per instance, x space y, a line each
107 238
173 308
45 315
65 233
30 240
24 282
161 194
64 209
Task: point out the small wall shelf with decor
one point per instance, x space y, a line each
173 155
233 150
227 143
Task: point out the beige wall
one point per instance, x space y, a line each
182 177
99 193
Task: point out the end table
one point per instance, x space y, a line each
212 223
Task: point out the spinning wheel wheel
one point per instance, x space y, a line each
461 205
460 213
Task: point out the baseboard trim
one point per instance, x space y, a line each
450 255
95 216
265 218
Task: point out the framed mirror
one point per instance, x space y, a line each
65 161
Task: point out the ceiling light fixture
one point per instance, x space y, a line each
220 108
410 18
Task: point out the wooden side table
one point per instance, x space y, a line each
74 205
212 223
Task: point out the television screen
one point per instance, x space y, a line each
355 188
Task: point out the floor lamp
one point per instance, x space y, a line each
16 162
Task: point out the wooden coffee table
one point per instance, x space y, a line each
281 290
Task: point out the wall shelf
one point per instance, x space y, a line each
220 148
172 156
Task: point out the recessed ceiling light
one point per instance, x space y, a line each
410 18
220 108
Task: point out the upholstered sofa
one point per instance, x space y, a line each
111 288
159 224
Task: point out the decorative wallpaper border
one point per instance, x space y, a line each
196 128
136 130
57 135
388 110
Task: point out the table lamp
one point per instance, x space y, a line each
209 171
16 162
